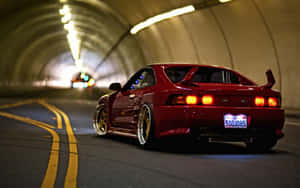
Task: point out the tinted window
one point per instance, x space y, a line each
203 75
176 74
147 78
141 79
215 75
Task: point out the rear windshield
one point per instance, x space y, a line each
176 74
203 75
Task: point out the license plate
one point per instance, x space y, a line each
235 121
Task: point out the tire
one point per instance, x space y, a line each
145 128
261 145
100 121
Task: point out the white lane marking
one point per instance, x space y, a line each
293 123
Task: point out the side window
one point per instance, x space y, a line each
148 78
137 82
141 79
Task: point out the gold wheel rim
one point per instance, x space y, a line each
102 123
146 130
144 125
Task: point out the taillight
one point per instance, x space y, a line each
259 101
179 99
272 102
191 99
207 99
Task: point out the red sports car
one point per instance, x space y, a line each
206 102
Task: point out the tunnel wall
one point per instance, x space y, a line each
249 36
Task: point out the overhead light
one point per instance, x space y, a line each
161 17
74 44
67 17
224 1
70 27
72 36
66 9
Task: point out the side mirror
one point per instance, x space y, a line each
270 78
115 86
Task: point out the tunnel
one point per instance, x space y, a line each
249 36
70 118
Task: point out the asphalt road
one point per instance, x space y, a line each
52 143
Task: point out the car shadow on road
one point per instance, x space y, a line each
183 145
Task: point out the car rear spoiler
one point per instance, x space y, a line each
187 80
270 79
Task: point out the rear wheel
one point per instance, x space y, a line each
261 145
145 128
100 124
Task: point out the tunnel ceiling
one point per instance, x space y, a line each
34 41
33 37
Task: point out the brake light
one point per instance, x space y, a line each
207 99
272 102
259 101
191 99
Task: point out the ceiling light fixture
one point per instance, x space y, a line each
158 18
66 9
74 40
67 17
224 1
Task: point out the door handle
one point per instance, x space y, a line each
132 96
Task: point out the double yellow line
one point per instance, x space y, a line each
72 171
51 172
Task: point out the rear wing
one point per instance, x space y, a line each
270 79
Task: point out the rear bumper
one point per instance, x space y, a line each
209 121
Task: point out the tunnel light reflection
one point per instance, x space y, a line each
161 17
224 1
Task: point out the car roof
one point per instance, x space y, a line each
166 65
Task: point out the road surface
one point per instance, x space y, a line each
51 143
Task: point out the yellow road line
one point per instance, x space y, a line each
49 107
30 101
72 171
27 120
51 172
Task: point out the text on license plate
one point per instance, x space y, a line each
235 121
